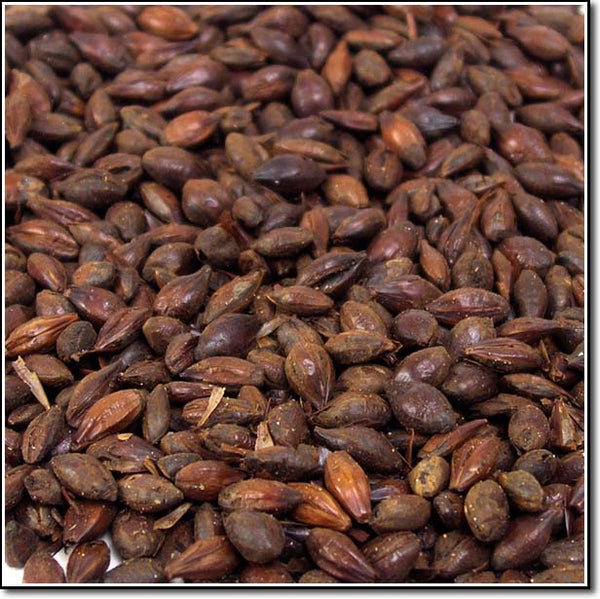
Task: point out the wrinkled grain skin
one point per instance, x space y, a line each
564 553
20 543
14 482
261 495
304 301
453 306
202 480
486 511
287 424
148 494
523 489
141 570
335 553
88 562
319 508
564 575
134 535
257 536
43 487
449 508
284 463
310 373
86 521
421 406
111 414
296 294
368 447
204 561
393 555
431 365
355 347
505 355
347 482
351 408
473 461
182 297
38 334
42 568
273 573
524 541
225 371
444 444
155 423
317 577
42 434
227 335
405 512
289 174
429 476
456 553
528 429
85 476
234 296
90 389
120 329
